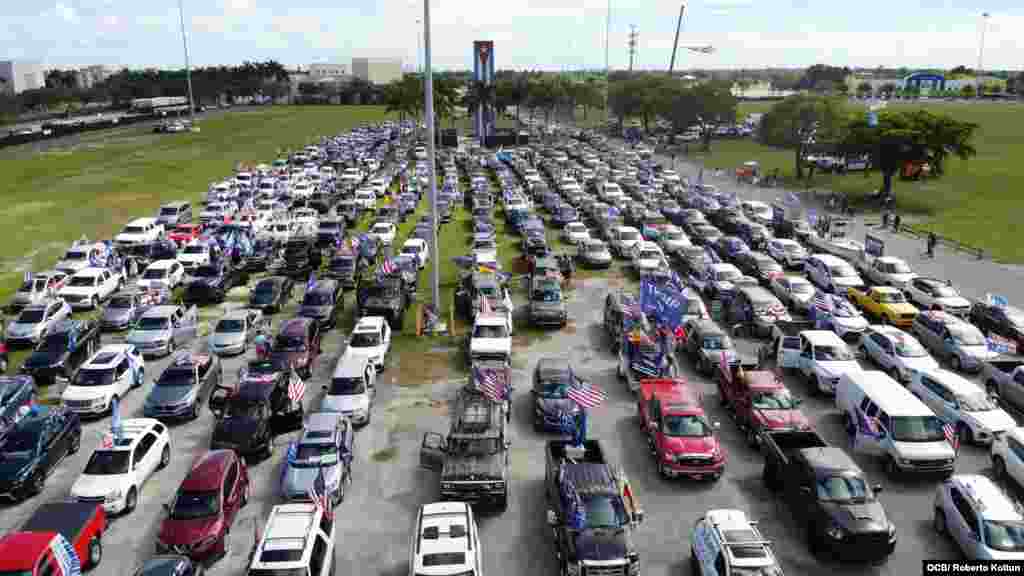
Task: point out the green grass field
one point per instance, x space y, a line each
98 184
975 202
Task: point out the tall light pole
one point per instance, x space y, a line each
419 46
675 44
607 67
981 54
435 276
188 68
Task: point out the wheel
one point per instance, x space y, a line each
171 346
244 498
131 500
751 434
998 467
939 521
894 373
193 413
965 434
165 457
76 443
815 385
663 469
813 542
848 425
95 552
140 378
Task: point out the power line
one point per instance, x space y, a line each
634 35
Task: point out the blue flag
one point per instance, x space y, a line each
311 283
581 428
115 417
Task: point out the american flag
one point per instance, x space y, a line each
296 389
485 306
1000 345
388 266
491 383
951 436
587 396
108 441
318 494
723 367
66 556
821 302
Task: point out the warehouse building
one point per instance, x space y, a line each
17 76
377 70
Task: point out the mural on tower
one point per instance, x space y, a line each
483 71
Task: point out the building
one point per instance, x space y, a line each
17 76
90 76
377 70
324 70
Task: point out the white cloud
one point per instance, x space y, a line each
237 7
64 12
211 24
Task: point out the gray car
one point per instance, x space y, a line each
547 307
233 332
324 446
594 254
948 337
161 329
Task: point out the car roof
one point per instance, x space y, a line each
208 470
369 324
322 422
90 271
110 353
952 381
160 311
142 221
821 337
886 289
159 264
131 431
991 501
823 460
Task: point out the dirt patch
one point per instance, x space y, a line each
423 368
385 454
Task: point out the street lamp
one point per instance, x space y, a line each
981 53
435 276
188 69
419 46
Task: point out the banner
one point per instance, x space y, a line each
661 303
778 214
874 246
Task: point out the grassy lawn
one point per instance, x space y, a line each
975 202
104 180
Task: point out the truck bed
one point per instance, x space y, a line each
791 327
592 454
780 445
66 518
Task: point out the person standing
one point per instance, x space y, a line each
931 242
885 220
896 220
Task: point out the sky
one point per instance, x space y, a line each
528 34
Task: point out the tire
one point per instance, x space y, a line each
140 379
76 443
38 483
194 411
95 552
751 435
94 303
955 363
965 434
662 469
890 467
165 457
769 479
815 385
998 467
939 522
171 346
131 500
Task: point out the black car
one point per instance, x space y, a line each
759 265
343 267
65 347
250 419
271 294
34 447
211 283
552 378
321 303
692 260
179 391
1005 321
386 296
170 566
16 395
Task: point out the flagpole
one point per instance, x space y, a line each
435 251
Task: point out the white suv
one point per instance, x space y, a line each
111 373
977 515
140 231
90 286
371 339
298 539
727 543
446 541
1008 455
977 418
117 469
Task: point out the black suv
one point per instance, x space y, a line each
384 296
759 265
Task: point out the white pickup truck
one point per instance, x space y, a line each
885 271
90 286
491 338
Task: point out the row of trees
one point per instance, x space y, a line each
683 105
892 137
892 90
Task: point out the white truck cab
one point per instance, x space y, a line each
298 539
491 338
824 359
445 541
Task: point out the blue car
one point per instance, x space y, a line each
16 396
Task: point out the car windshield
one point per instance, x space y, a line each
154 273
153 323
168 211
547 295
381 229
31 316
94 377
195 249
897 267
832 353
717 342
190 505
120 302
1005 535
288 343
727 275
474 446
347 387
315 454
650 255
231 325
317 299
945 291
176 377
595 247
603 511
978 402
82 281
107 462
917 429
23 441
133 230
365 339
410 250
773 400
907 347
843 489
692 426
628 235
967 335
75 255
490 332
891 297
842 272
206 272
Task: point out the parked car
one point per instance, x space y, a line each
352 389
980 518
324 447
718 533
34 321
198 520
974 415
896 352
111 373
1005 321
371 339
179 390
1007 453
90 286
951 339
62 350
17 394
928 293
419 249
679 435
38 289
320 303
163 274
297 345
593 253
210 283
34 447
53 526
125 307
161 329
233 332
794 291
787 252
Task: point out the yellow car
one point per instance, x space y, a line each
885 303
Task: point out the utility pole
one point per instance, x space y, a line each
675 44
435 276
607 68
981 55
188 68
633 35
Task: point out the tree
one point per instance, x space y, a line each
702 105
822 78
960 71
803 120
967 91
864 89
902 136
887 89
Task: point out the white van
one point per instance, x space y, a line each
832 273
824 359
884 419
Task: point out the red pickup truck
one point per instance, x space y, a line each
680 437
758 401
60 539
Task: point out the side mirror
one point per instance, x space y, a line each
638 516
552 519
877 488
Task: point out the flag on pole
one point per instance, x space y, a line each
296 389
586 396
485 306
66 556
821 302
491 383
723 366
951 436
115 417
318 494
311 283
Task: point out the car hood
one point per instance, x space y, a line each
297 480
979 352
364 351
919 363
857 518
991 420
193 258
227 339
12 468
555 406
236 430
165 395
146 336
378 303
854 324
648 262
90 486
78 290
86 392
116 314
18 328
345 403
175 532
837 368
546 306
924 450
598 256
781 419
490 344
954 302
469 468
901 308
602 544
696 446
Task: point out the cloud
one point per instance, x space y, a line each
64 12
236 7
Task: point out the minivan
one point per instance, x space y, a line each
174 213
884 419
832 273
824 359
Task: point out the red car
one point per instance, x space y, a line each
680 437
208 501
56 530
760 402
185 233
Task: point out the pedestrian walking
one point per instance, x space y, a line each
896 223
885 220
262 345
931 242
